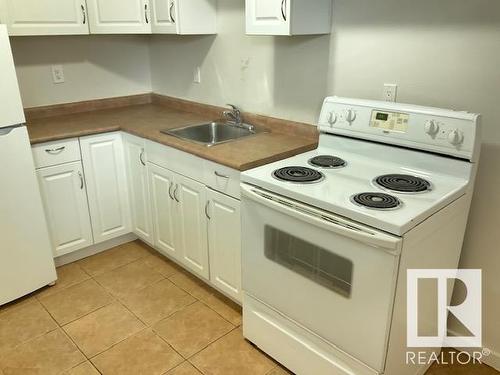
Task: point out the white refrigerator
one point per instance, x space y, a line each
26 262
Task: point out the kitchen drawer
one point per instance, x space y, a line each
223 179
175 160
57 152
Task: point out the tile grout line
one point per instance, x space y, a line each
67 336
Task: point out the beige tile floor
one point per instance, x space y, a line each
130 311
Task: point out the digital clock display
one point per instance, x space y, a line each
382 116
390 121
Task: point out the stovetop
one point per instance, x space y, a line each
365 187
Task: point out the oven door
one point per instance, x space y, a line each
334 277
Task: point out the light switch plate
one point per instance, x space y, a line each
197 75
57 74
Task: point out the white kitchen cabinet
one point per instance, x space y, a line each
138 186
119 16
224 243
190 197
104 165
44 17
65 201
288 17
164 210
184 16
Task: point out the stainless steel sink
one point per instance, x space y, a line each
212 133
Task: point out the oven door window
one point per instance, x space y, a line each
311 261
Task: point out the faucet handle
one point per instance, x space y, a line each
235 108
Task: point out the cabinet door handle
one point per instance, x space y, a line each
207 205
81 180
175 194
146 13
172 12
283 9
55 151
84 14
141 157
170 190
221 175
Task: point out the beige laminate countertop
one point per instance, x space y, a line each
147 120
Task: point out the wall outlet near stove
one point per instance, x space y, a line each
390 92
197 75
57 74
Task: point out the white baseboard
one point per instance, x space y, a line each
94 249
492 360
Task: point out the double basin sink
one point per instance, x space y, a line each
212 133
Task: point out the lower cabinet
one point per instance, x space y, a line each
180 225
191 200
65 199
104 165
163 208
138 186
99 187
224 242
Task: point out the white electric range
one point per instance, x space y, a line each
328 235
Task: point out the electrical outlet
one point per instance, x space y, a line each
57 74
390 92
197 75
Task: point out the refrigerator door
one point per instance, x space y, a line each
11 108
26 262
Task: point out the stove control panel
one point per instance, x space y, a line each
422 128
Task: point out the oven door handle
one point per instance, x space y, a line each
323 219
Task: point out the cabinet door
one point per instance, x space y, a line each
44 17
138 186
163 16
271 17
119 16
193 245
224 242
163 207
65 201
104 166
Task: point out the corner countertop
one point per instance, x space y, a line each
147 120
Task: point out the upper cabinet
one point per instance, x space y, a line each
44 17
119 16
288 17
184 16
65 17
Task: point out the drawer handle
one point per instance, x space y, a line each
55 151
81 180
221 175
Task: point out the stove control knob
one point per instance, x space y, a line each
332 118
350 115
456 137
431 127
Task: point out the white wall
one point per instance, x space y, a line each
94 67
441 53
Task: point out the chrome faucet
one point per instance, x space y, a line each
235 118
